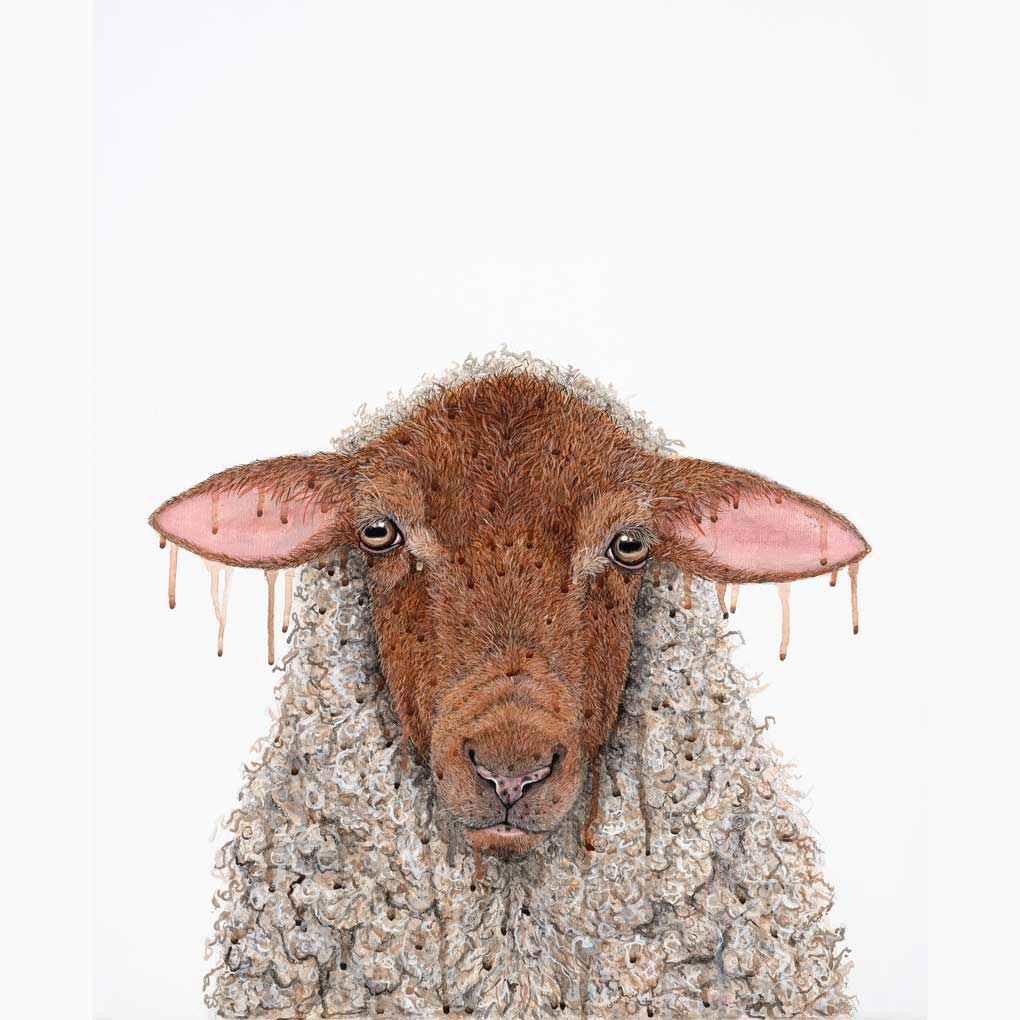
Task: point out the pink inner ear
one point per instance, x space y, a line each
775 540
247 528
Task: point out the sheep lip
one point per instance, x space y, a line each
505 829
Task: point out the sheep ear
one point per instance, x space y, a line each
734 526
273 513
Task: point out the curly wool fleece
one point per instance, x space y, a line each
349 893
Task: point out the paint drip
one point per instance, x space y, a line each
593 809
853 571
784 600
219 596
733 598
271 613
288 594
172 582
720 594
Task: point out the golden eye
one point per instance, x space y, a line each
380 536
628 550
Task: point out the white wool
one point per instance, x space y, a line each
348 891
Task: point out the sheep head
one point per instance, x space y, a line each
506 525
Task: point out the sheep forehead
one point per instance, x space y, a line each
507 453
371 425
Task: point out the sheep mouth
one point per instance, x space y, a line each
505 829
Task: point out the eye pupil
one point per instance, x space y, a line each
628 550
380 536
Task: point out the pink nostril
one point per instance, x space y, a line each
510 789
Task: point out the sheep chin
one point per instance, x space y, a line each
504 843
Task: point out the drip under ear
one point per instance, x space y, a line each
270 514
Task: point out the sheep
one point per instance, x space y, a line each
514 771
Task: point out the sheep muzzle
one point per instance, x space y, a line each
507 754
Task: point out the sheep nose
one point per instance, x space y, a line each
510 789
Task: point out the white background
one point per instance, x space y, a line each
718 208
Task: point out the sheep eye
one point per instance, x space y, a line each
380 536
628 550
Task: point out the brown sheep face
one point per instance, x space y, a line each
504 626
506 526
